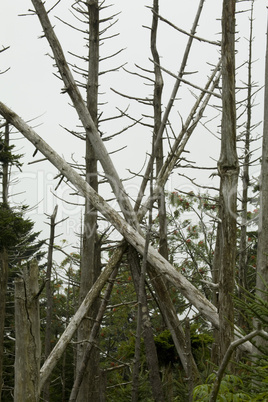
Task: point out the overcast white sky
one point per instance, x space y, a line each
31 90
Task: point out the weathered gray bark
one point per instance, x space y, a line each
91 296
172 322
243 246
28 345
158 150
215 350
190 378
84 115
5 169
49 296
182 139
74 94
93 335
3 290
3 265
90 264
228 171
144 328
262 254
164 120
162 266
132 258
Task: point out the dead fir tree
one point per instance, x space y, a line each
228 171
3 253
49 294
247 138
96 29
262 255
132 235
90 258
28 343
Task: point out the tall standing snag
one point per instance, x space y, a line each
28 345
161 266
49 293
3 258
262 261
3 288
90 258
228 171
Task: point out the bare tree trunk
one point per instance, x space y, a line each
143 318
90 344
3 290
144 325
228 170
5 169
3 266
64 376
67 335
243 246
131 235
164 120
27 325
262 259
49 296
90 265
215 350
161 266
172 322
85 116
189 360
158 151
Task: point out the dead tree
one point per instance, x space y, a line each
93 336
3 289
262 255
160 265
228 171
49 295
158 151
28 345
3 257
129 227
144 329
247 140
90 264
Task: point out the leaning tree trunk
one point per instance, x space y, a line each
228 171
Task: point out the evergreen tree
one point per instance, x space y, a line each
18 243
